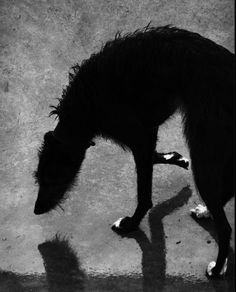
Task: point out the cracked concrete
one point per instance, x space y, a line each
39 42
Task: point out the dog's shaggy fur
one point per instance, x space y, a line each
124 92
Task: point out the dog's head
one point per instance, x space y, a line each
56 172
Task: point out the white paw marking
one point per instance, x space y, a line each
168 156
212 265
183 159
201 211
117 223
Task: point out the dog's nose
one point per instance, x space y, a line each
39 209
43 205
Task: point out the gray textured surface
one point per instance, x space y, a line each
39 41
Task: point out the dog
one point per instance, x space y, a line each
124 93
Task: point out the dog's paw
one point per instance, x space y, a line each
200 212
212 273
183 162
124 225
177 159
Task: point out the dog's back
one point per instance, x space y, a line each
156 70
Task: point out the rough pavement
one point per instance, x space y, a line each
39 41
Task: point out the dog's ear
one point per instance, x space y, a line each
49 136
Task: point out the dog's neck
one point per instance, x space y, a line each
70 140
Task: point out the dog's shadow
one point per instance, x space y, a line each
62 265
154 249
64 273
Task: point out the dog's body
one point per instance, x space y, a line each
124 93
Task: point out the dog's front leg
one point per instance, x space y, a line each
144 166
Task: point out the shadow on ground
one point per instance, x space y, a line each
64 271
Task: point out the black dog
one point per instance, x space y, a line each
124 93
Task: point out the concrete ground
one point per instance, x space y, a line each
75 249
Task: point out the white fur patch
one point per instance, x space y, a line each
183 159
201 211
212 265
168 156
117 223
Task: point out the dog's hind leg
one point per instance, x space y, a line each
218 269
228 179
207 178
